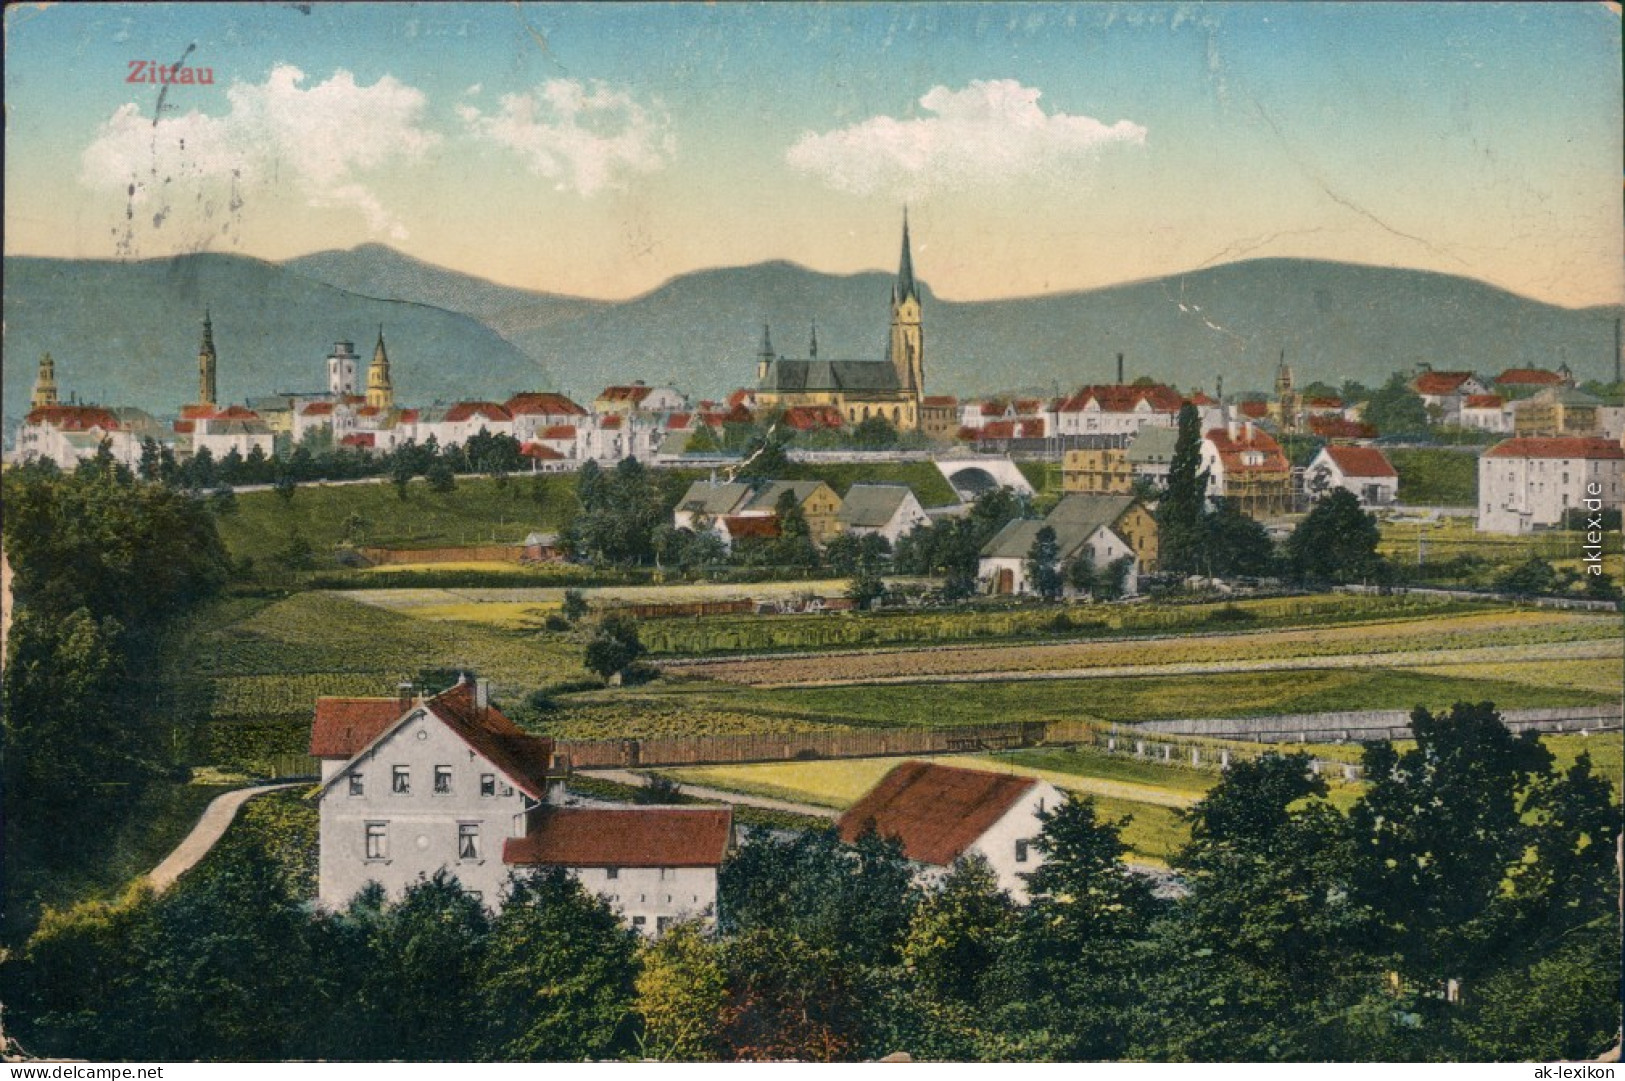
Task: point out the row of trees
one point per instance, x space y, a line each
1463 908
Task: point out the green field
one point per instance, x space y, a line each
1430 476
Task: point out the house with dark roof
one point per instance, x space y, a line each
654 865
1364 471
942 813
1105 528
891 510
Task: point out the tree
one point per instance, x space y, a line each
875 433
441 479
574 605
765 455
1395 409
958 931
556 978
1336 542
682 991
1235 544
285 487
296 552
1530 578
1179 514
1044 565
401 471
868 585
613 646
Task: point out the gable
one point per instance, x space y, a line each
937 812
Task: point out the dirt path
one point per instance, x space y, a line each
211 826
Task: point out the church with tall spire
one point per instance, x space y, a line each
44 384
380 388
891 389
206 361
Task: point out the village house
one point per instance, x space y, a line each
1486 413
221 431
1118 409
1150 454
537 412
1245 465
818 502
890 510
1523 382
1364 471
1556 411
70 434
414 785
1527 483
1103 470
1097 525
1443 392
941 814
939 417
656 866
638 399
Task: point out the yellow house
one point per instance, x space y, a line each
818 502
1099 472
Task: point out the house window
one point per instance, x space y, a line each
1021 851
612 872
403 780
488 784
468 840
356 787
661 923
377 840
442 780
639 921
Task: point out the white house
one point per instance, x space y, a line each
706 501
942 813
1530 482
655 865
1117 409
69 434
1486 412
1365 471
891 510
536 413
638 398
1096 525
1444 392
221 431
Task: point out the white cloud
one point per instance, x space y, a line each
585 137
321 140
991 132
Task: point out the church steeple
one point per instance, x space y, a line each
206 363
45 385
764 357
812 344
906 348
380 389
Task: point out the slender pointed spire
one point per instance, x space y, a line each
380 387
905 287
766 349
207 362
812 345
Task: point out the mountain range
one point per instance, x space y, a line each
128 332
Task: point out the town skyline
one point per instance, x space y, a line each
1147 139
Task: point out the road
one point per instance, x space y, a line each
211 826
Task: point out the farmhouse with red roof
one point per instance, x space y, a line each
941 813
1364 471
1245 464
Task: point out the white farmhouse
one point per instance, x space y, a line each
1530 482
1486 412
1105 527
1364 471
891 510
654 865
941 813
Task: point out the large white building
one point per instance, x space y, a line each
1531 482
942 813
412 786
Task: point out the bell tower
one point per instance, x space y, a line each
380 389
45 384
206 364
906 349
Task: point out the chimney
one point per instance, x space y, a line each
1119 369
1230 428
1248 429
403 692
482 694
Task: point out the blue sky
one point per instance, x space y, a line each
601 149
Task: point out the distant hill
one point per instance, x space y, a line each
1335 321
127 333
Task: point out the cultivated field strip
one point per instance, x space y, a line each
1520 636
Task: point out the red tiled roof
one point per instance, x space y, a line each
345 726
74 418
677 422
197 412
1231 451
935 811
1440 382
559 431
358 439
1031 429
1361 461
317 409
804 418
624 837
469 410
368 411
1529 377
409 416
739 397
1483 401
1255 410
1323 403
537 450
545 403
1557 447
1025 406
185 427
940 400
1123 398
968 435
751 525
1200 398
1335 427
611 422
994 408
998 429
235 412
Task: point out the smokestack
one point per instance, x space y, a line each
1119 369
1618 378
1218 389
